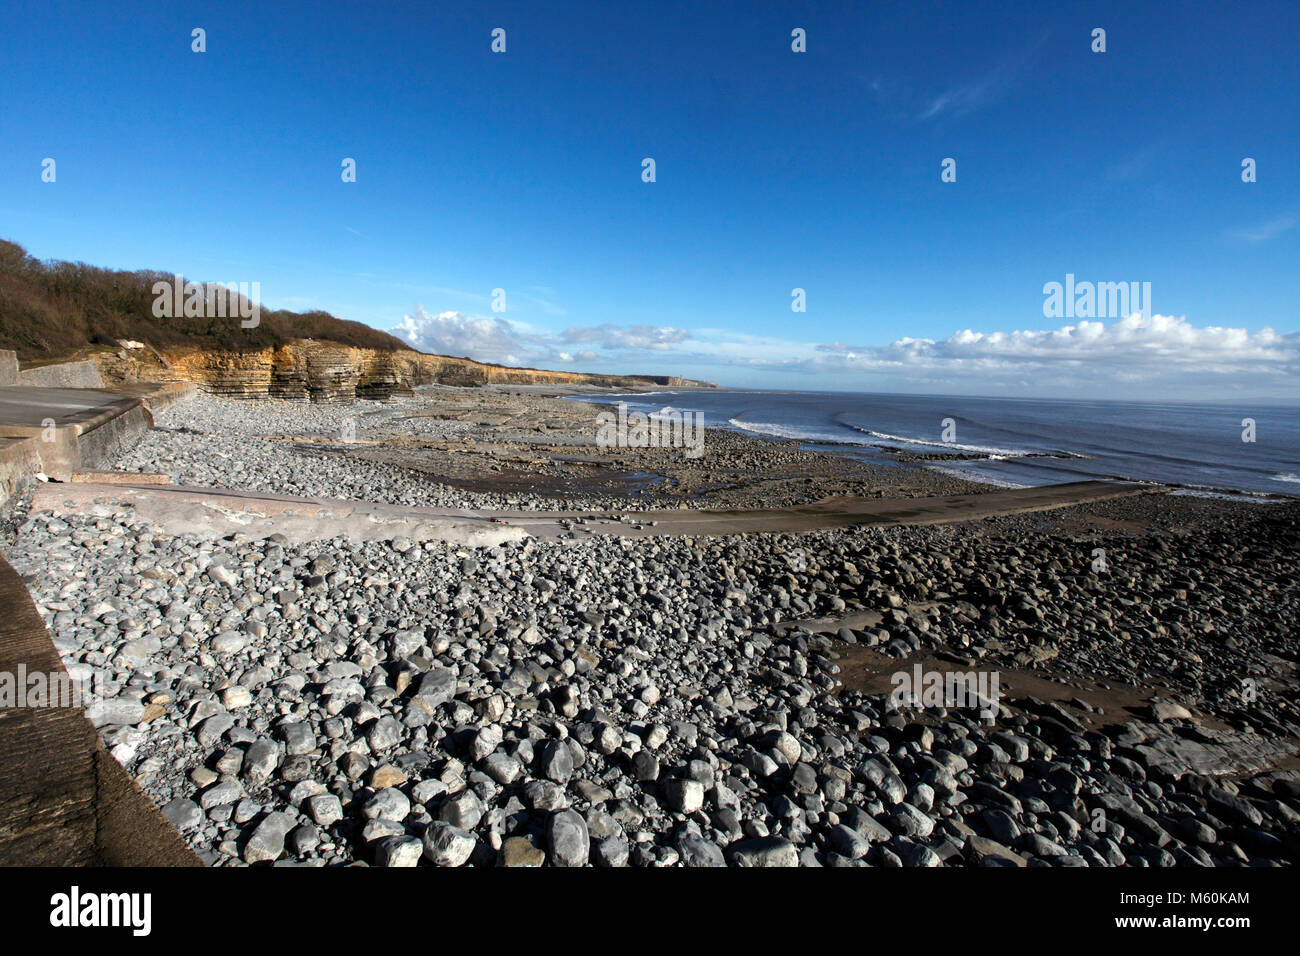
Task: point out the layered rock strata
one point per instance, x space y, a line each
326 372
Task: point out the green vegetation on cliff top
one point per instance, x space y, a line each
53 310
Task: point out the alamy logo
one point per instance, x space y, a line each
40 689
668 428
212 300
75 909
1099 300
977 690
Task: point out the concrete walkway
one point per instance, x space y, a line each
61 431
219 512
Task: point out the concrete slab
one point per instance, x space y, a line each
62 420
156 396
20 458
218 512
28 406
78 429
81 374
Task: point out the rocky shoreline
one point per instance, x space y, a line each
492 448
699 701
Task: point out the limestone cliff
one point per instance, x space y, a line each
319 371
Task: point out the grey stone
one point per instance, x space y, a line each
387 804
182 813
848 842
463 810
764 852
267 840
260 760
436 686
557 762
612 851
695 851
297 737
398 851
567 839
446 845
684 796
325 809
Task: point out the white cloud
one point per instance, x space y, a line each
969 97
626 337
506 342
1153 344
478 337
984 90
1156 355
1155 352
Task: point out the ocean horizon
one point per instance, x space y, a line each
1205 447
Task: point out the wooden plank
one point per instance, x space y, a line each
64 801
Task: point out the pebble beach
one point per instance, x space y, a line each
680 700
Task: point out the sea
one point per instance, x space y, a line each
1017 442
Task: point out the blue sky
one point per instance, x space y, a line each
775 170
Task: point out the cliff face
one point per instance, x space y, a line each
326 372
